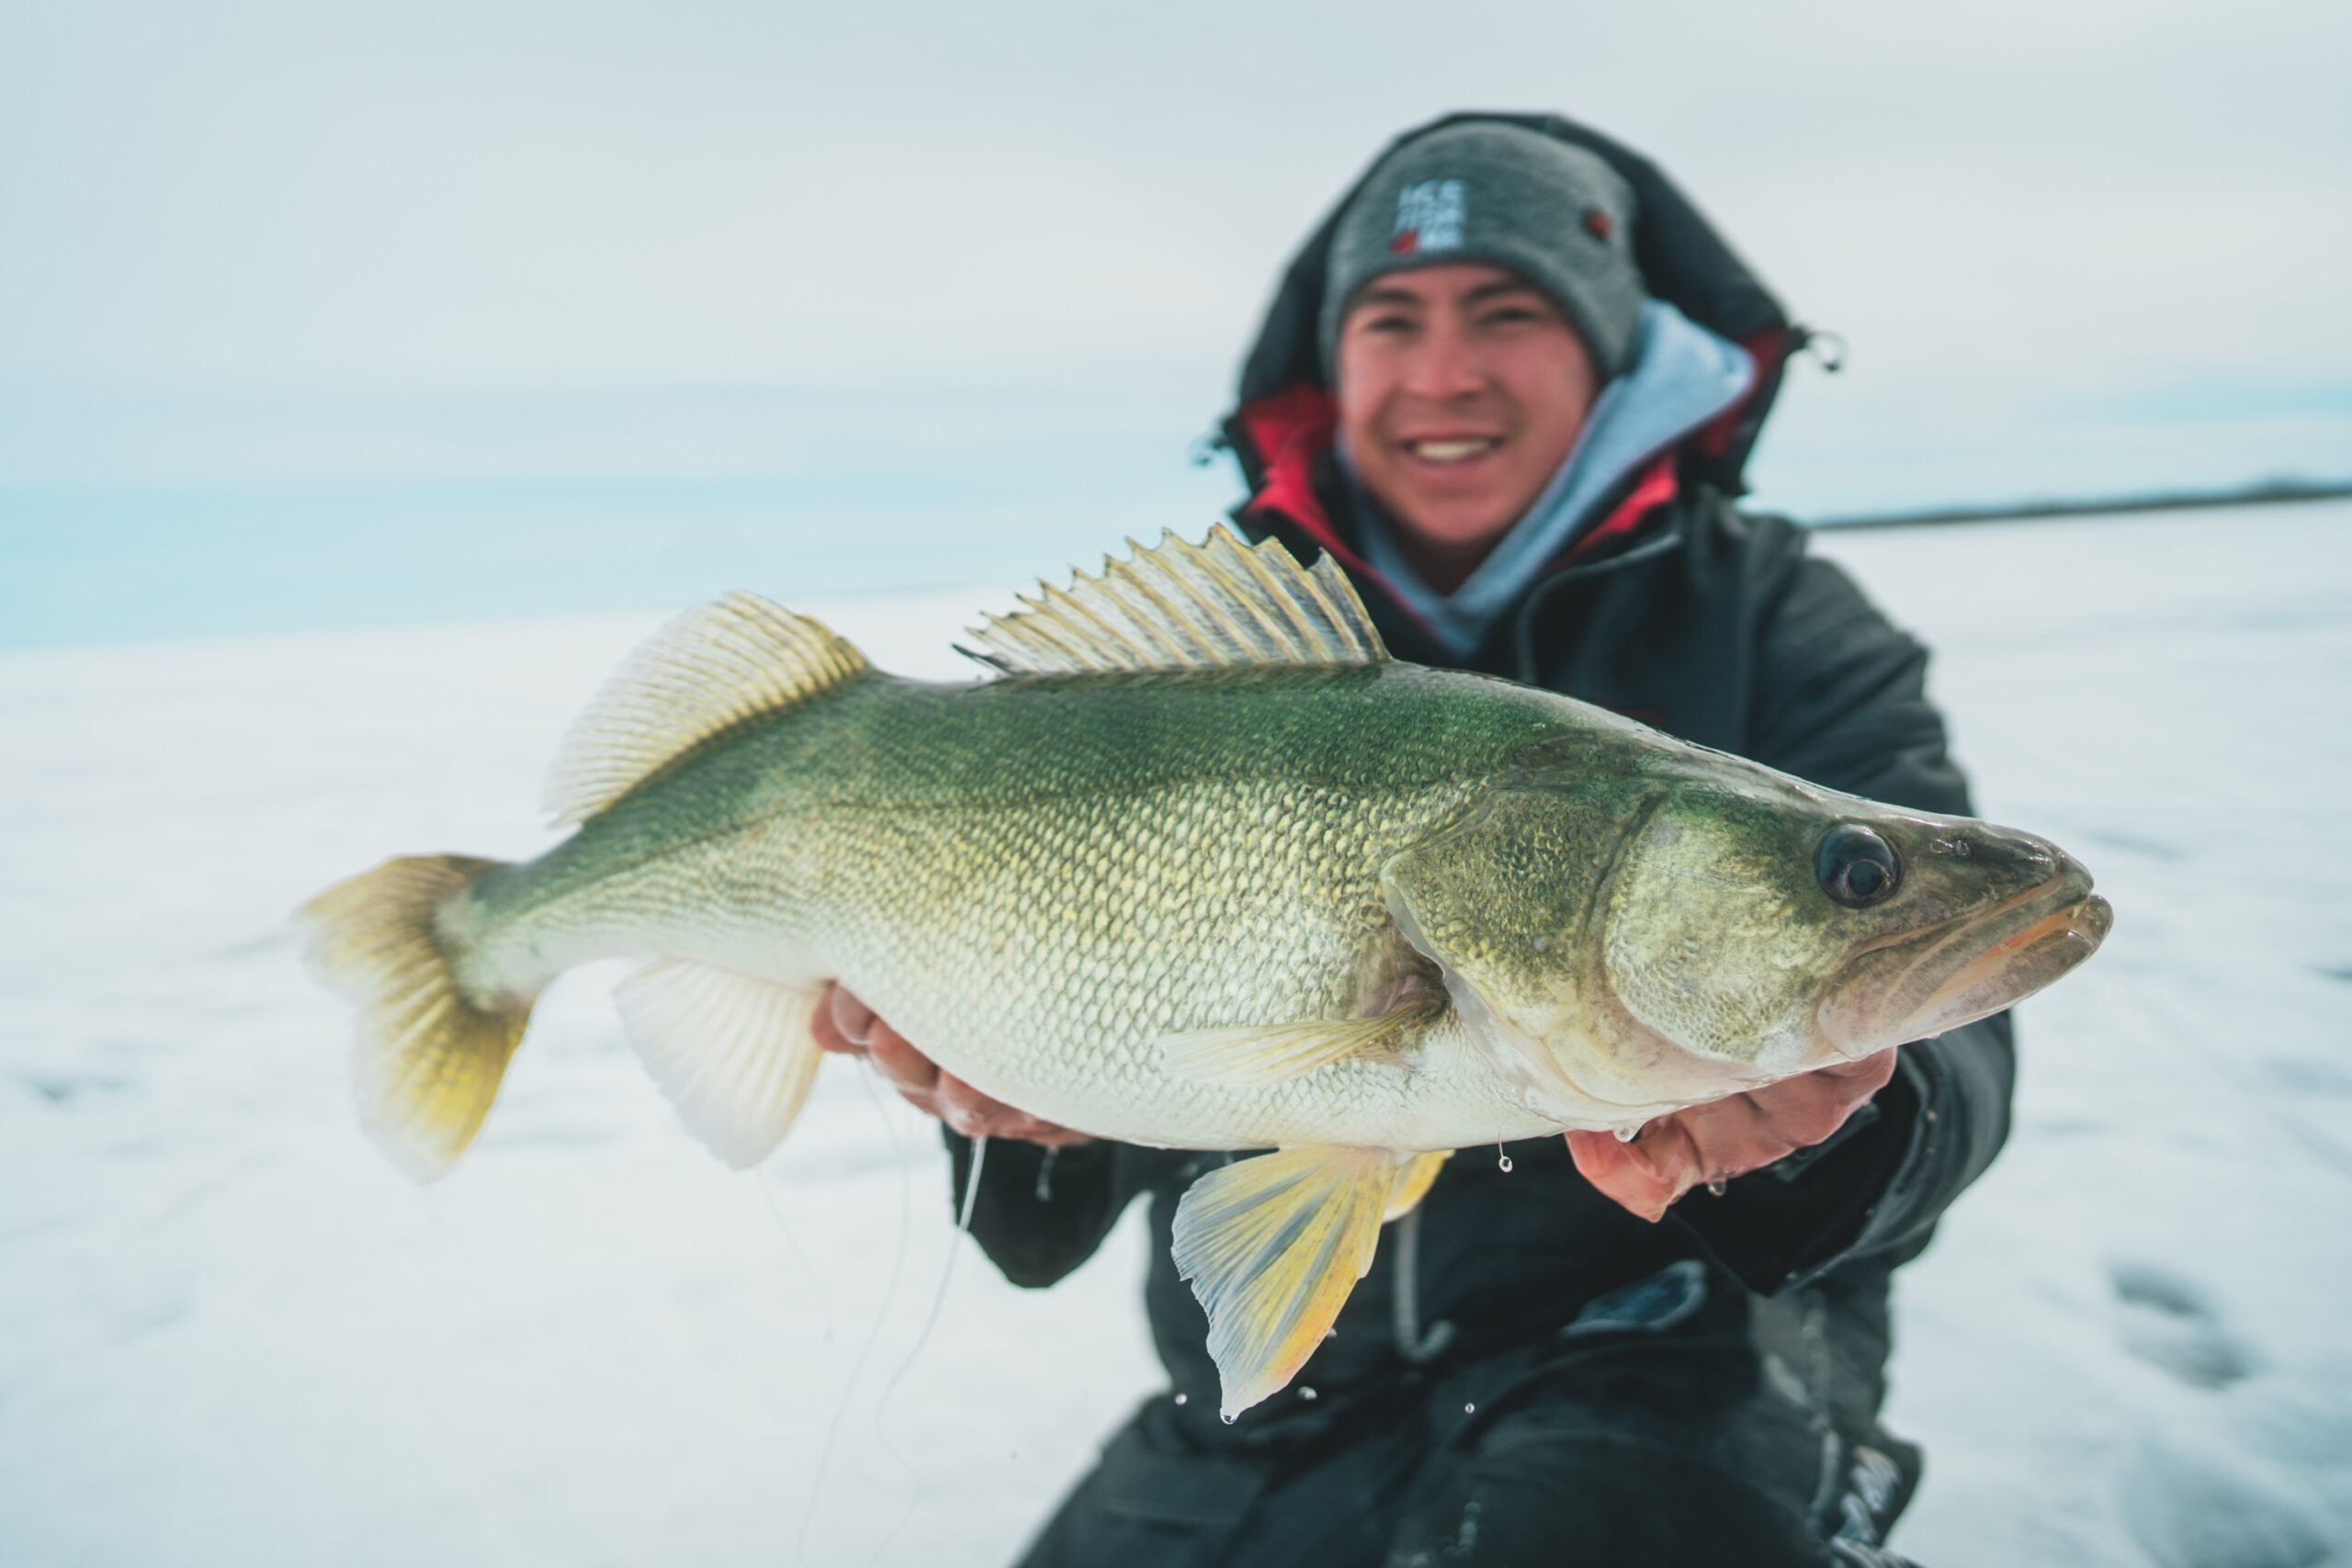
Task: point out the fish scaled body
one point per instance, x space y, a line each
1206 870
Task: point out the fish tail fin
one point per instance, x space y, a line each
429 1057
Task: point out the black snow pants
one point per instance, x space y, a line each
1677 1422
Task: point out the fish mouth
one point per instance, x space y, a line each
1923 983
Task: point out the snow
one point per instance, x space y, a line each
231 1335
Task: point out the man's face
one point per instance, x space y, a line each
1461 389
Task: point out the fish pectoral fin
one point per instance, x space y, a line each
1273 1245
1413 1183
733 1053
1271 1054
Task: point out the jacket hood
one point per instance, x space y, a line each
1683 261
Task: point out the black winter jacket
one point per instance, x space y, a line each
1713 625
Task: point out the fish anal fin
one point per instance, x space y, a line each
1413 1183
733 1053
1255 1057
1176 605
1273 1245
706 675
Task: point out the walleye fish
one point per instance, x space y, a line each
1202 868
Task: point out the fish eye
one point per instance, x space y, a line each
1856 866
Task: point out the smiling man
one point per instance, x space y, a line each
1510 384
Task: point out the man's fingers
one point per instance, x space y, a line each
1725 1137
1643 1177
850 1018
970 1112
1731 1137
1810 1107
826 1030
1874 1069
1051 1134
976 1115
843 1023
900 1062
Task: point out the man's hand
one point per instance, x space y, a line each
1726 1137
843 1023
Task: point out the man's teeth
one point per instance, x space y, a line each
1451 451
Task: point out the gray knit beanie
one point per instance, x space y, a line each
1554 213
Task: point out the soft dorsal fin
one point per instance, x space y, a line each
706 673
1178 605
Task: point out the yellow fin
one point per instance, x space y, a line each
707 672
1273 1245
733 1053
1413 1184
1272 1054
1178 605
428 1060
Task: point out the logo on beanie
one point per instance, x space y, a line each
1429 217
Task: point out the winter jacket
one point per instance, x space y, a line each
1678 609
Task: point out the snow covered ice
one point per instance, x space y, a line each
230 1334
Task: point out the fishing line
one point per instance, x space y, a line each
799 1254
946 1276
874 1334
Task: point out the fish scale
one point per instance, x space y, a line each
1039 932
1205 869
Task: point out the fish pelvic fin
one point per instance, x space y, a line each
1218 605
733 1053
1256 1056
1273 1245
429 1059
1413 1183
706 675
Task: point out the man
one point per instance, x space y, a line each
1510 384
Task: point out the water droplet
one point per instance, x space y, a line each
1183 1399
1227 1419
1469 1410
1306 1393
1043 1190
1502 1163
1330 1334
1627 1134
1717 1189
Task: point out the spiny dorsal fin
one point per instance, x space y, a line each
1178 605
708 672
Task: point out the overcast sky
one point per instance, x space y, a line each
2073 247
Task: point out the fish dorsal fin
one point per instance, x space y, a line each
707 674
1176 605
